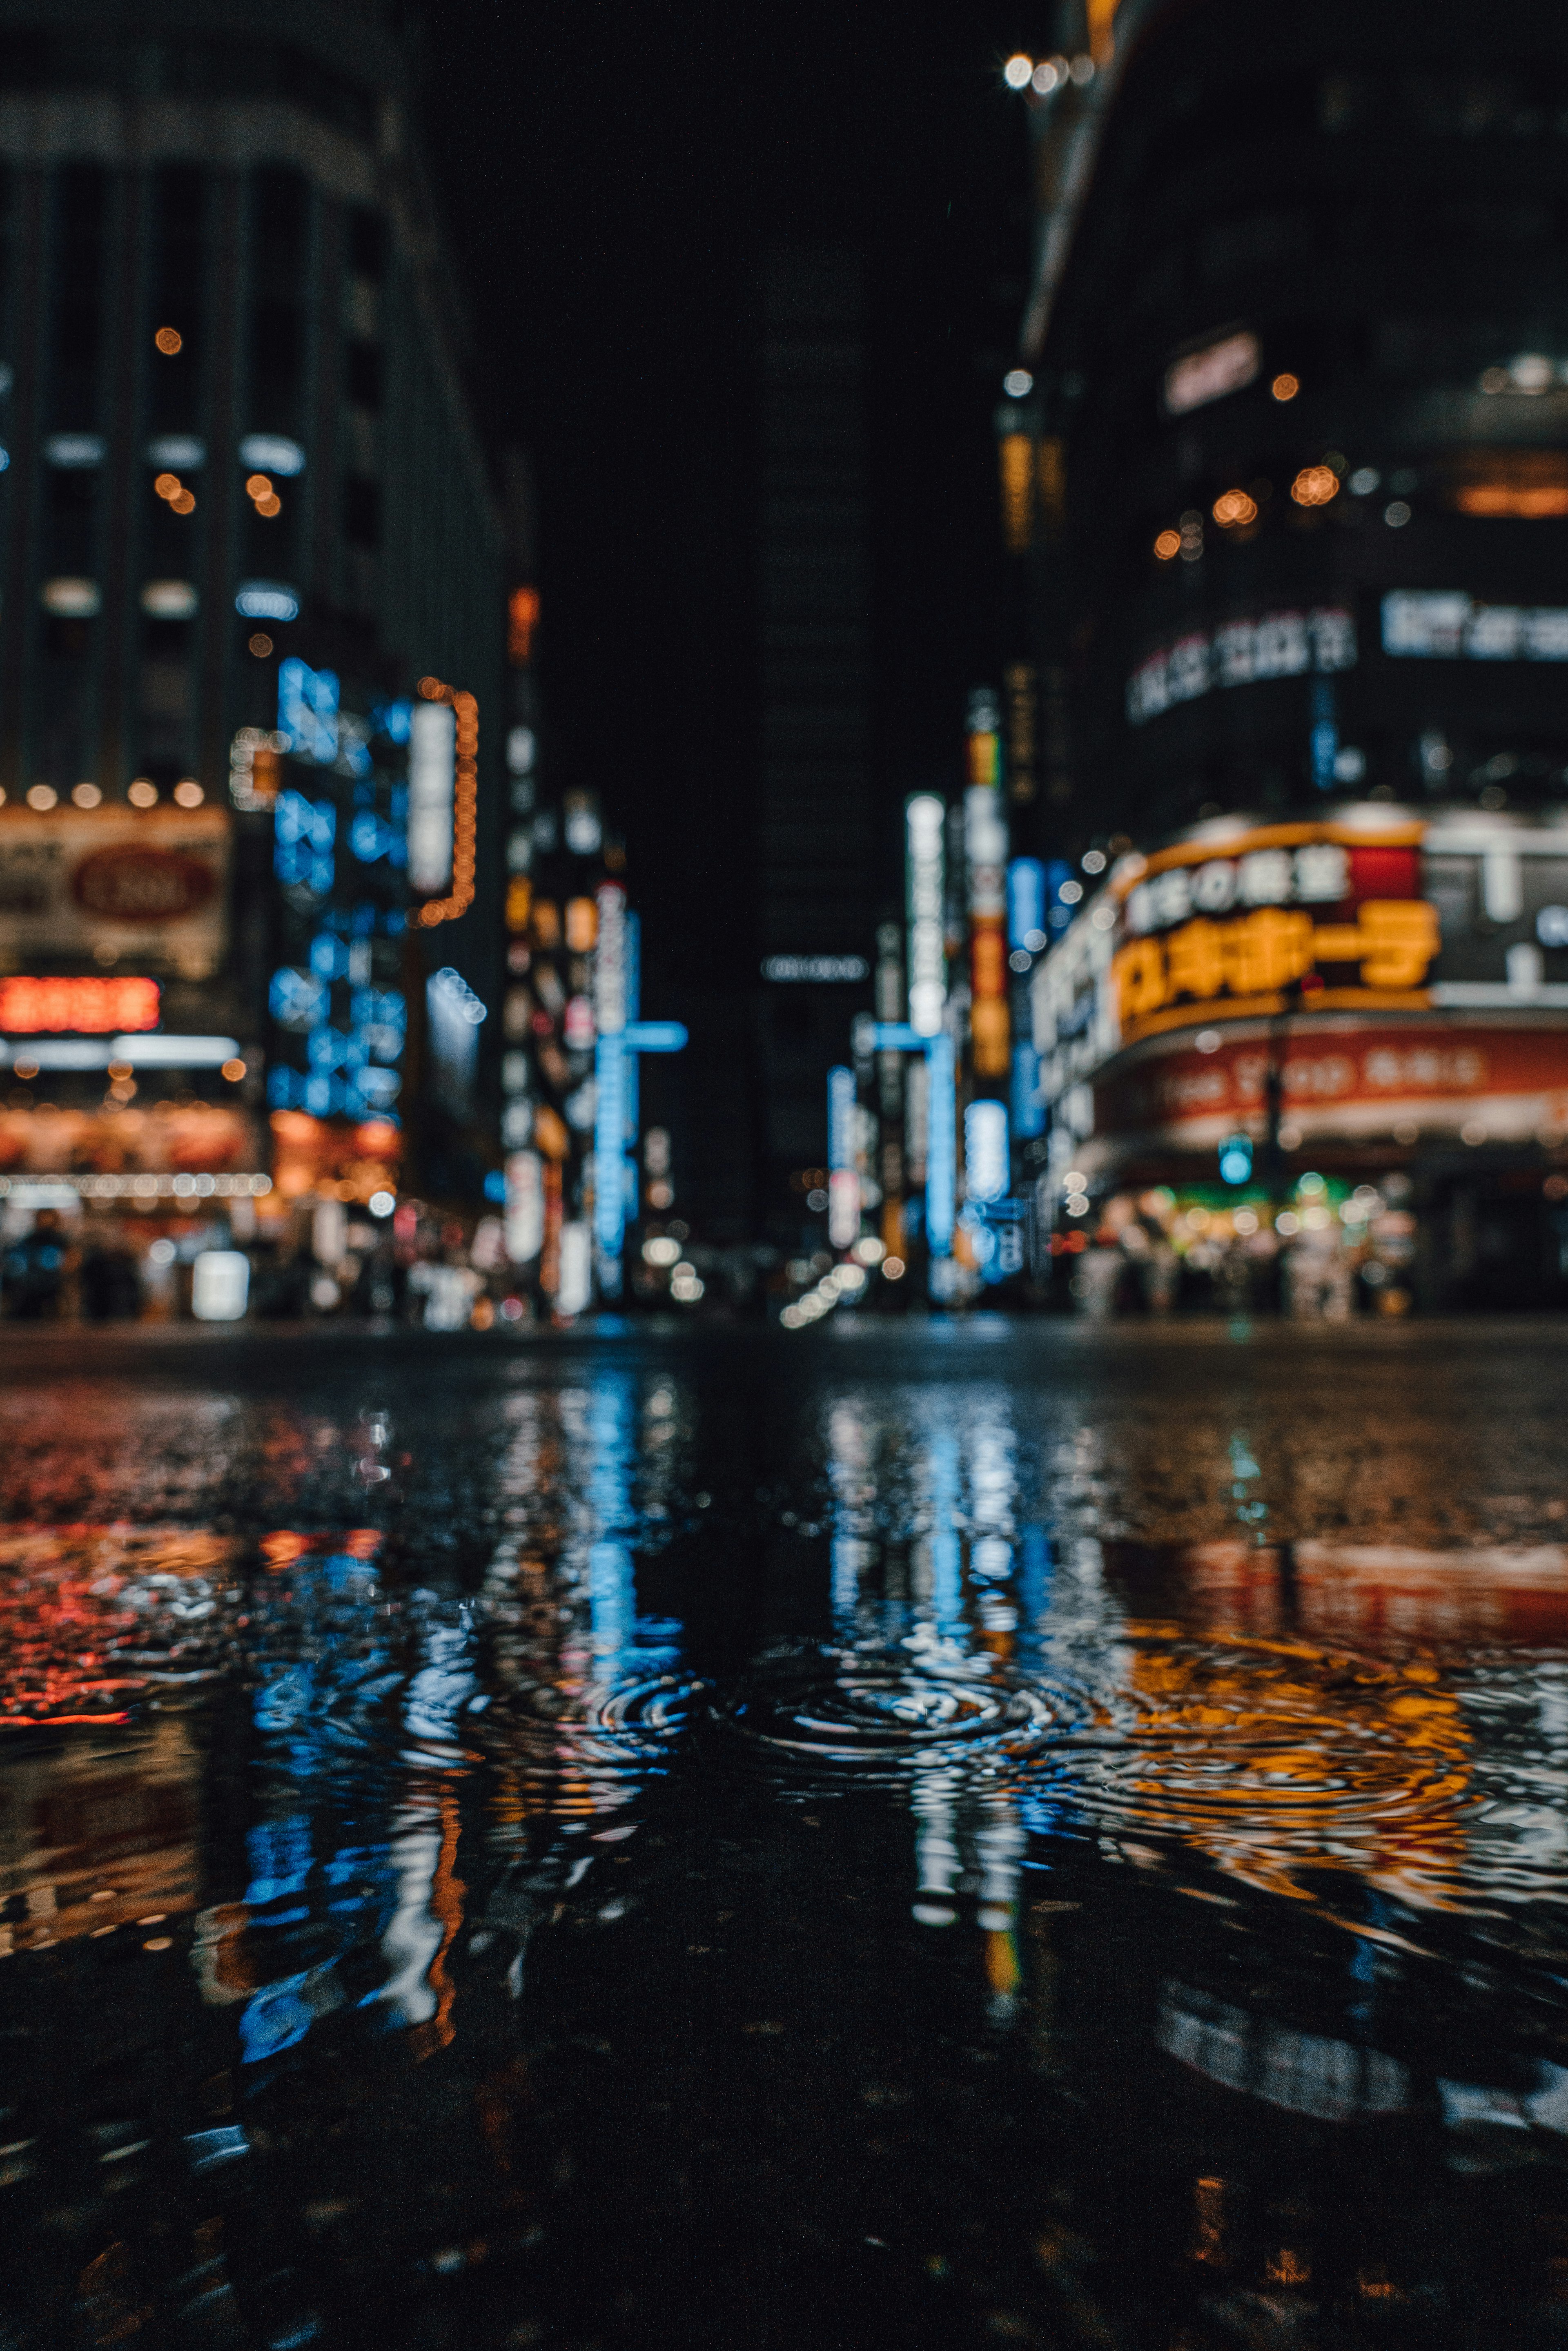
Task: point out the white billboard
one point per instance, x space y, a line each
151 887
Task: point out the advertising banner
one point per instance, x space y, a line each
102 885
1218 929
1355 1079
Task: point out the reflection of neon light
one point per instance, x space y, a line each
946 1572
466 807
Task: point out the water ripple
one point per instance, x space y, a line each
884 1711
633 1718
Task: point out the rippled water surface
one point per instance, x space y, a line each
934 1837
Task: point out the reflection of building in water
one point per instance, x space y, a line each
1363 1664
90 1616
955 1614
104 1829
1276 1758
586 1472
96 1835
1356 1592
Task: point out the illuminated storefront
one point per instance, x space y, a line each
1375 1008
1295 549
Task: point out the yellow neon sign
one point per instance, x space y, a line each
1393 940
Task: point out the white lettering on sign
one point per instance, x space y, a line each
1242 653
1424 1067
815 966
1318 874
1445 624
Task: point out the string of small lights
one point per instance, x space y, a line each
465 805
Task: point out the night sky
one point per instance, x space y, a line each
609 174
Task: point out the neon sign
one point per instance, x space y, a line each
92 1008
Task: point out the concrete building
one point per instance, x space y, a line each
245 512
1295 373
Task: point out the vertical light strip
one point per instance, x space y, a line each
610 1058
941 1148
464 805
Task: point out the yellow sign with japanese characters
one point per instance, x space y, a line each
1344 942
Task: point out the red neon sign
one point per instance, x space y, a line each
93 1008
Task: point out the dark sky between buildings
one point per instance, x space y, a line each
610 173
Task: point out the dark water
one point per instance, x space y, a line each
1049 1837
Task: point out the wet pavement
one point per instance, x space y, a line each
963 1835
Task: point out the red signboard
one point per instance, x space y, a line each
1322 1069
92 1007
142 883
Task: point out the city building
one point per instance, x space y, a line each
1293 384
816 834
252 596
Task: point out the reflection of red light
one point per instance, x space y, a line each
362 1542
95 1008
405 1221
377 1136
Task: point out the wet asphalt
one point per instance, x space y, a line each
933 1834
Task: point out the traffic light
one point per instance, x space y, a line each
1236 1159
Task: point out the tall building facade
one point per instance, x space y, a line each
1295 375
817 836
251 593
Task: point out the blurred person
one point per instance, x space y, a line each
33 1271
1318 1281
107 1278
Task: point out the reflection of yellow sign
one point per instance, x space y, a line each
1393 940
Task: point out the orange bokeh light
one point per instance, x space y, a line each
1314 485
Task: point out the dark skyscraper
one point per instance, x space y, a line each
1300 392
816 844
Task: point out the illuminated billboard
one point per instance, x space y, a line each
1219 929
924 817
150 887
86 1007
